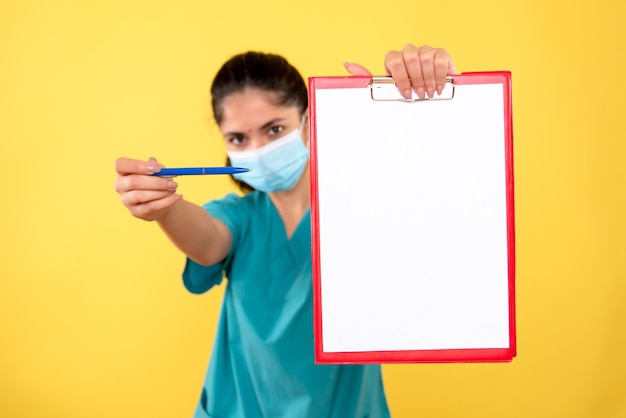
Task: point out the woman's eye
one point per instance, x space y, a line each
274 130
236 140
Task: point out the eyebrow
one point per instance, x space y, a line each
263 127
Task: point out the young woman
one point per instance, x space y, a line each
262 362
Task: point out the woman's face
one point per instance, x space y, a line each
251 119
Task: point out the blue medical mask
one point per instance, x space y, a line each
274 167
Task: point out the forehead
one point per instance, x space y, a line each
251 109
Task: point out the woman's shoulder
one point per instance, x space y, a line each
250 201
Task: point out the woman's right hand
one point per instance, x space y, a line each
147 197
421 69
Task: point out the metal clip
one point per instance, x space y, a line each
384 89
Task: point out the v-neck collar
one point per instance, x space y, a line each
303 227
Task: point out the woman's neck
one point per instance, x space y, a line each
293 204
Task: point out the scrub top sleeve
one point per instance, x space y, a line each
198 278
230 211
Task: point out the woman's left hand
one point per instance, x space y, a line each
421 69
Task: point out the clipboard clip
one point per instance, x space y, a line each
384 89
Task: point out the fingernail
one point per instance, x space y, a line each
172 185
152 168
431 92
420 92
408 94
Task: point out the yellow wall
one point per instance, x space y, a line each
94 321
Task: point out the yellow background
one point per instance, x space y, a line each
94 320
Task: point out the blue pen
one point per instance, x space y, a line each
198 171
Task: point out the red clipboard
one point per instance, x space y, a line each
412 217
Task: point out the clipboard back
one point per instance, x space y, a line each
412 217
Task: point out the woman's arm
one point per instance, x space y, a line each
152 198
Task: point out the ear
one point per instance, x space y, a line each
305 126
304 120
